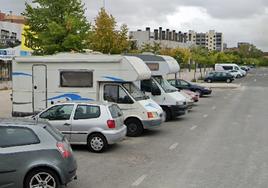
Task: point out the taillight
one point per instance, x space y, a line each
63 150
150 115
111 124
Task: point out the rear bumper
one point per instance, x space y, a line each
114 136
206 92
147 124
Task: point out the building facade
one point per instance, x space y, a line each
166 38
211 40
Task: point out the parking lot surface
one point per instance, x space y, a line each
222 142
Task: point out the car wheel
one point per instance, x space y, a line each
97 143
238 76
42 178
167 114
134 128
228 80
209 81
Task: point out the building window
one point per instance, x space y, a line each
76 79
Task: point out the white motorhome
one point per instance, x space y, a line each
40 81
228 67
158 88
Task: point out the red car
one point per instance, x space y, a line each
195 96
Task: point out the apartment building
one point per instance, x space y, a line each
166 38
211 40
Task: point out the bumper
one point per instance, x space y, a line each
114 136
206 92
147 124
178 110
190 105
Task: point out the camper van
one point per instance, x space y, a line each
41 81
158 88
229 67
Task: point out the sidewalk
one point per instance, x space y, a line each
5 104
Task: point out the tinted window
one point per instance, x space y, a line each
172 82
115 93
227 67
17 136
86 112
184 83
115 111
58 112
146 85
76 79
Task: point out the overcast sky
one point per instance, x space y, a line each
239 20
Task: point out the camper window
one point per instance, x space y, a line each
76 79
115 93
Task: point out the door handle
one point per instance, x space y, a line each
66 124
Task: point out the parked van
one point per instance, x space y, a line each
41 81
228 67
158 88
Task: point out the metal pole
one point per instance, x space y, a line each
104 4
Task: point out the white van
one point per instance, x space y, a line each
228 67
158 88
41 81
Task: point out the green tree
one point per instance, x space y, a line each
56 26
153 48
105 38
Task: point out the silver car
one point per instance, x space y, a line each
34 155
95 124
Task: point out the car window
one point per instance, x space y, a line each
58 112
115 111
183 83
17 136
172 82
87 112
146 85
115 93
223 74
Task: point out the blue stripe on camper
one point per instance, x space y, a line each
114 78
70 97
21 74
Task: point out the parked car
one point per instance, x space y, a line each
182 84
189 99
245 68
34 155
95 124
236 73
193 95
219 77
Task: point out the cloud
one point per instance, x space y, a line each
239 20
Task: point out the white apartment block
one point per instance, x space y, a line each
211 40
166 38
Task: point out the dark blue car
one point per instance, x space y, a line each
182 84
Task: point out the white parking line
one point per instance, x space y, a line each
193 127
205 116
173 146
139 180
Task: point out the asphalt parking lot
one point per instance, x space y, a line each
222 142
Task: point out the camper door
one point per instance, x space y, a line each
39 87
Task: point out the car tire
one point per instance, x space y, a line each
134 127
97 143
228 80
168 115
31 178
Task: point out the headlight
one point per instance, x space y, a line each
179 102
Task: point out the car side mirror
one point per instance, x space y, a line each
156 91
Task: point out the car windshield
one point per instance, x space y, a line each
165 84
134 91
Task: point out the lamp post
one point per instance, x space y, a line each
104 4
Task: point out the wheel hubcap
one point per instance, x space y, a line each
97 143
43 180
132 127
